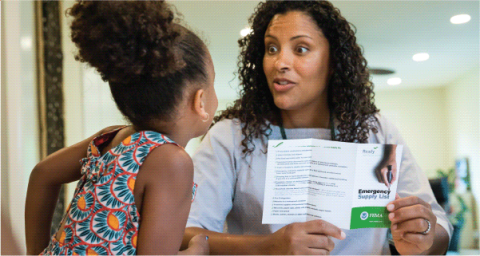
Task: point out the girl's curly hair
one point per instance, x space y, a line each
350 92
142 52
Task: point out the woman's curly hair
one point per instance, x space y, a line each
350 92
142 52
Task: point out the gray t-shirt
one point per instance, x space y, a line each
231 186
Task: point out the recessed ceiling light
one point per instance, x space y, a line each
394 81
244 32
423 56
460 19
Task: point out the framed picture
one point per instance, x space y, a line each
462 171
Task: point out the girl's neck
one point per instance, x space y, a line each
173 131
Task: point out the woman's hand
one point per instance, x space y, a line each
312 237
413 225
198 245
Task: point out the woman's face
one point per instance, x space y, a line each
296 61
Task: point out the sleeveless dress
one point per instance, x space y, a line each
102 218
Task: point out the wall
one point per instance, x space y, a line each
441 124
4 162
463 112
72 92
19 110
420 117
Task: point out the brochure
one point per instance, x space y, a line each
346 184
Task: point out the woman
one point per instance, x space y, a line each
302 76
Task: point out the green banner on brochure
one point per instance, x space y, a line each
370 217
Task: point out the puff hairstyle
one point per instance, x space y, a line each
147 58
350 92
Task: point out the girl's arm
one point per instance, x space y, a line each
44 185
166 177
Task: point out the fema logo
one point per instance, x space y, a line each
363 215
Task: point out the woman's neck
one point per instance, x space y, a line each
314 117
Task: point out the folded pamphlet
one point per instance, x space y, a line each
346 184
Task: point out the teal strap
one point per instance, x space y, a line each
282 131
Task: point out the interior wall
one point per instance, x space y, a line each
4 152
72 92
463 112
420 117
20 115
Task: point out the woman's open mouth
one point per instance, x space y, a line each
281 85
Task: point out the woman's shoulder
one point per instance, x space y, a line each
226 133
224 127
387 132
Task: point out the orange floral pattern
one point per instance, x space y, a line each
102 218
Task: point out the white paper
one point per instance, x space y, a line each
319 179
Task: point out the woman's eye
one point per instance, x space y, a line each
302 49
271 49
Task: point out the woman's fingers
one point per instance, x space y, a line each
411 217
313 241
411 212
421 241
418 225
408 201
324 228
314 251
312 237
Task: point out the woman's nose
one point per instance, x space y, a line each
283 61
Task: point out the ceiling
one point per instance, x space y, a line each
390 32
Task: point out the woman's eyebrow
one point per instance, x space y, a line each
300 36
291 39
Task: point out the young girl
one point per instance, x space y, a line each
135 186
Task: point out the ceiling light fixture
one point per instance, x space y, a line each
460 19
423 56
394 81
244 32
381 71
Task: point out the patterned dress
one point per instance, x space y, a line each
102 218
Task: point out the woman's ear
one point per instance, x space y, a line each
199 105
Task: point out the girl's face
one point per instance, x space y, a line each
296 61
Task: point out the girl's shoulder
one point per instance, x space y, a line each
167 164
170 156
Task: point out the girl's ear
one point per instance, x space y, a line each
199 105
